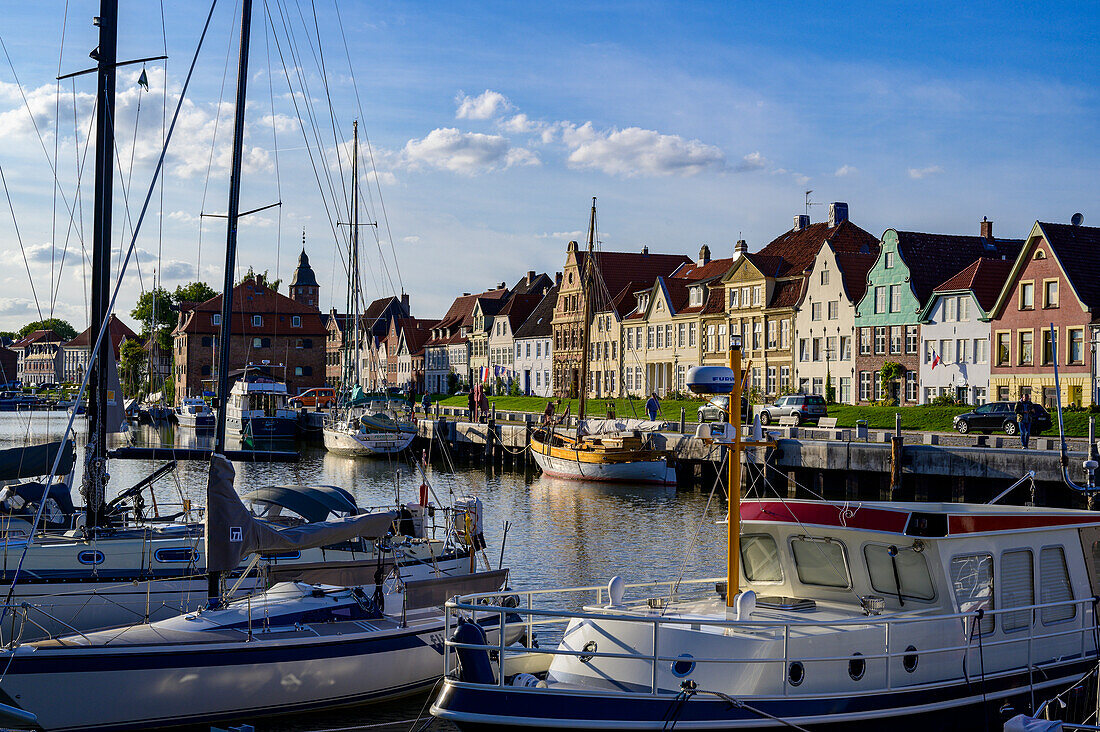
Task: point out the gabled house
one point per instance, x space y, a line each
1054 280
909 267
408 364
502 329
477 326
447 349
40 357
75 353
534 360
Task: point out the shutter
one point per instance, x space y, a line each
1054 585
1017 587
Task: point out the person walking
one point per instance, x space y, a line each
483 407
653 407
471 402
1023 418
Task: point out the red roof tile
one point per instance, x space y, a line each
117 330
797 249
251 299
538 323
933 258
984 277
854 269
622 268
518 308
787 293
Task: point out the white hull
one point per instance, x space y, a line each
343 442
639 471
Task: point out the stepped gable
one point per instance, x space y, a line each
933 258
984 277
539 323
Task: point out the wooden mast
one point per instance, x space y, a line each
587 277
733 523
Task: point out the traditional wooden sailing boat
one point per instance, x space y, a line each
599 450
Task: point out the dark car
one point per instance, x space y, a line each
1001 416
803 407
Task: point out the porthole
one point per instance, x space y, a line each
796 674
176 554
857 666
683 665
909 660
589 649
90 557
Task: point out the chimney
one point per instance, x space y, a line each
465 294
645 249
838 213
405 302
502 285
530 277
801 221
741 248
987 228
557 279
704 255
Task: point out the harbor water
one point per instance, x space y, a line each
561 533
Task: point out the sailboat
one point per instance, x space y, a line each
599 450
362 425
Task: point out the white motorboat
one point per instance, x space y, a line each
376 428
258 408
195 414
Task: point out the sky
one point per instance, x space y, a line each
492 125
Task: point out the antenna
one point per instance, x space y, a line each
810 203
1077 219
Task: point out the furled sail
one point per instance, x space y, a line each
232 532
116 412
611 426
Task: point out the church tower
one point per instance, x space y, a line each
304 287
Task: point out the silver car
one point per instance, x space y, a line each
803 407
715 409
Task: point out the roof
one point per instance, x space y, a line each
538 323
118 331
984 277
933 258
416 332
787 293
795 250
532 283
461 309
303 274
519 307
769 265
853 271
716 302
490 304
1076 248
694 272
250 298
37 336
621 268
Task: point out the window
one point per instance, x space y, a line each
1027 296
1003 339
980 348
771 380
668 336
895 339
1076 353
1048 347
815 311
818 386
803 353
216 318
785 333
681 334
889 260
691 334
961 348
880 299
1026 355
1017 588
1054 586
845 348
895 298
298 371
649 337
630 338
880 339
760 558
756 295
257 342
947 350
257 321
834 309
820 562
865 341
733 296
296 321
972 580
845 389
911 572
911 388
757 329
784 377
1050 294
772 335
746 297
830 348
964 308
817 349
950 309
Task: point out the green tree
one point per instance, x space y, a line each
260 278
131 366
62 327
193 292
154 311
891 373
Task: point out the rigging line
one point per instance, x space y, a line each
320 54
95 350
278 173
56 143
366 140
19 238
214 140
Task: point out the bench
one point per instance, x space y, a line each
828 423
790 421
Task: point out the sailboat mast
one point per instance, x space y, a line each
226 331
355 245
94 483
587 278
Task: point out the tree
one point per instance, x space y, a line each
131 365
154 310
830 390
260 278
891 372
62 327
193 292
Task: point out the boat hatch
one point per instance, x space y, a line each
778 602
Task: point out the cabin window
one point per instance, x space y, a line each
1054 585
972 579
760 558
1017 588
820 562
176 554
90 557
913 574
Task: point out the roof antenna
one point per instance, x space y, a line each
810 203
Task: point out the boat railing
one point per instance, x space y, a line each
974 650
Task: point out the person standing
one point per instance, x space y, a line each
483 407
1023 418
471 402
653 407
426 403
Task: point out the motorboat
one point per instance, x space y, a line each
257 408
195 413
381 426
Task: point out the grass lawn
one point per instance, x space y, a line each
916 419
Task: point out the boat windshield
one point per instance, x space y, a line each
912 572
820 562
760 558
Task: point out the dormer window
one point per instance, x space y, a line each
696 296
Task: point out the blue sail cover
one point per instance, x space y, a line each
36 460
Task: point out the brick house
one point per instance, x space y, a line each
1055 280
268 329
900 284
374 326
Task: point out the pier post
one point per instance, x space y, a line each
895 457
683 420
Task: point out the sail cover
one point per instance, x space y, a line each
232 533
35 460
610 426
116 413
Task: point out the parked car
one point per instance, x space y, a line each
803 407
715 409
1001 416
321 396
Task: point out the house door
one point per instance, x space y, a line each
527 382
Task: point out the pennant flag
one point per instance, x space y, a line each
143 80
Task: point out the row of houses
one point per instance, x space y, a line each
45 357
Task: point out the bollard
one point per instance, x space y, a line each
683 420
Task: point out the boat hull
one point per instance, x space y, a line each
195 421
570 464
267 428
343 442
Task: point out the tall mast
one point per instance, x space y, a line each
231 236
587 278
354 269
94 483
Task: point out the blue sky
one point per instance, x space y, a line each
493 124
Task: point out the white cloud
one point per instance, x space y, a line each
845 170
17 307
918 173
466 153
635 151
486 105
175 269
563 235
411 239
752 161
